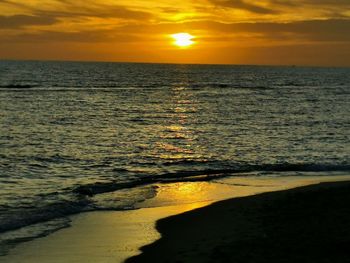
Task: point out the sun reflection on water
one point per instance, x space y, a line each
176 138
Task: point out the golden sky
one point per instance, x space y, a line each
288 32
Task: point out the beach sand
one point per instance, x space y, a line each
222 232
307 224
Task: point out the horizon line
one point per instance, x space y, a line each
173 63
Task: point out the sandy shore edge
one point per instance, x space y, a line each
305 224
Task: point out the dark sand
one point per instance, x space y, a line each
306 224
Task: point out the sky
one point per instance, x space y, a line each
265 32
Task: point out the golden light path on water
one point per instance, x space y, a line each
176 140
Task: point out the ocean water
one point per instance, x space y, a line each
92 136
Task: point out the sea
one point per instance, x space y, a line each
86 136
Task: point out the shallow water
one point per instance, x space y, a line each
88 136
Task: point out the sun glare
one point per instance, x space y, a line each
183 39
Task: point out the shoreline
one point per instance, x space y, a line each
114 236
304 224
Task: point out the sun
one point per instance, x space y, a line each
183 39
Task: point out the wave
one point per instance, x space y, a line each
226 86
205 175
112 88
81 197
10 239
36 215
17 86
120 86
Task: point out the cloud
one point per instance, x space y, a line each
289 8
315 30
19 21
104 11
47 15
334 3
243 5
87 36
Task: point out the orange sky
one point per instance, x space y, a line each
300 32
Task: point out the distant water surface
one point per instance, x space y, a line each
70 132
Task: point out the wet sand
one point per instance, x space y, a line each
306 224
